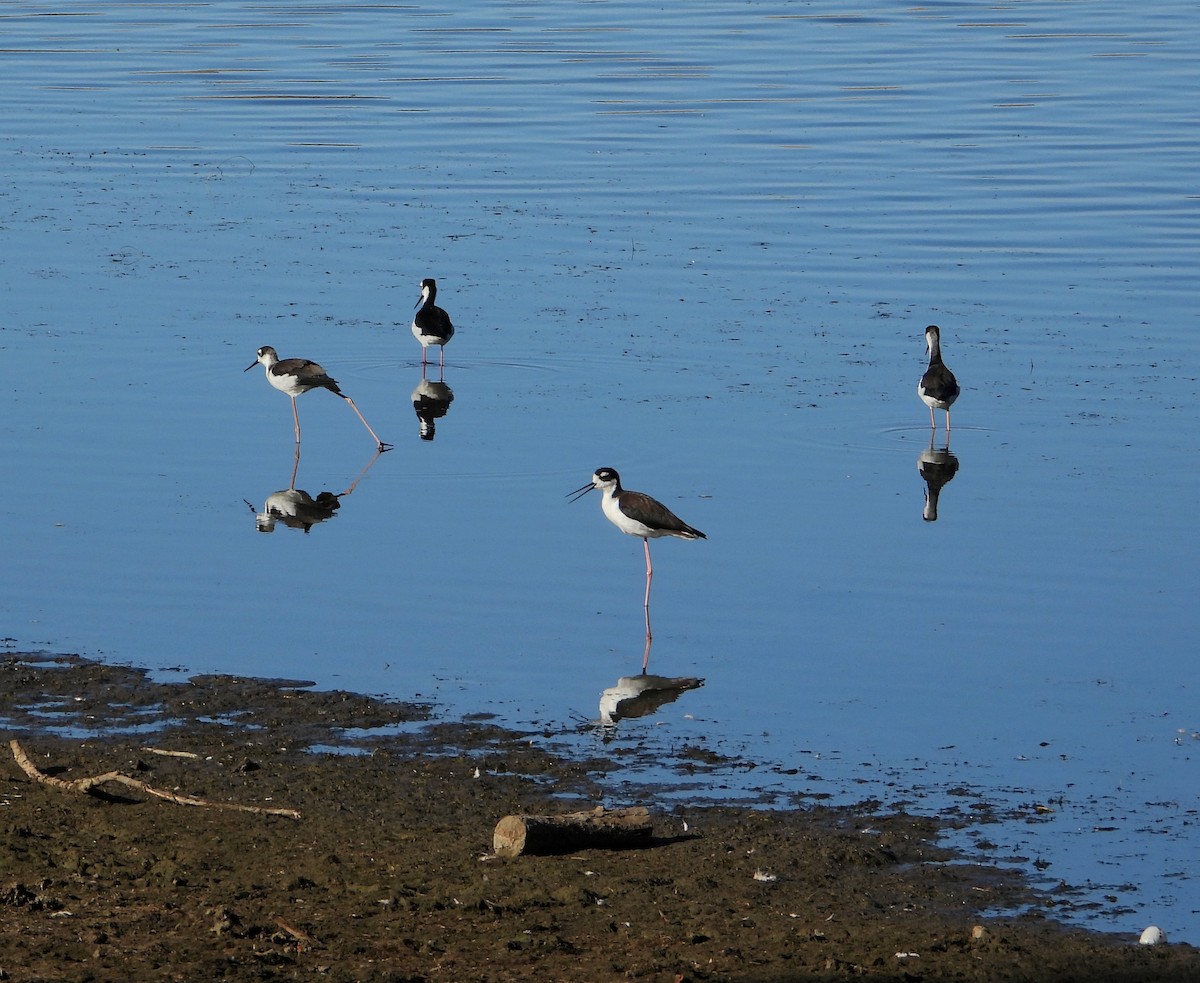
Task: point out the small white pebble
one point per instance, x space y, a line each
764 876
1153 935
908 955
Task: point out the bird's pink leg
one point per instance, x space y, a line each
649 577
379 442
646 656
296 419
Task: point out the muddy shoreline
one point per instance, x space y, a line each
388 874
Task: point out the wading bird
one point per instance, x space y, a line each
637 515
296 376
938 388
431 325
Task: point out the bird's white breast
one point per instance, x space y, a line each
285 382
612 509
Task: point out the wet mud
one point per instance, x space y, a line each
388 873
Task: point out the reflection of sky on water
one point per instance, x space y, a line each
672 247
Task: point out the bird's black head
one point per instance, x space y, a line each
258 357
602 478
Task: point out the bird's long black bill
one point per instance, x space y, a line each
250 366
578 493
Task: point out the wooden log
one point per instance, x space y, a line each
598 827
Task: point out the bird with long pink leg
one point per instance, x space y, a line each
636 514
295 376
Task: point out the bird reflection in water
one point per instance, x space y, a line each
938 468
642 695
297 509
431 401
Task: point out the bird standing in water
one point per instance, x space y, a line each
938 388
296 376
431 325
636 514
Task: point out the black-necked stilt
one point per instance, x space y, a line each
431 325
938 388
296 376
637 515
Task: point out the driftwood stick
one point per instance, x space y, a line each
302 937
515 835
171 754
87 785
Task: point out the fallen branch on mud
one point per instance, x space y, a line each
88 786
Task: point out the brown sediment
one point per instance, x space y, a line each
389 875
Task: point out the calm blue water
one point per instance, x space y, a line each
699 245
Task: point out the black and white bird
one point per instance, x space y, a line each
296 376
938 388
431 325
636 514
